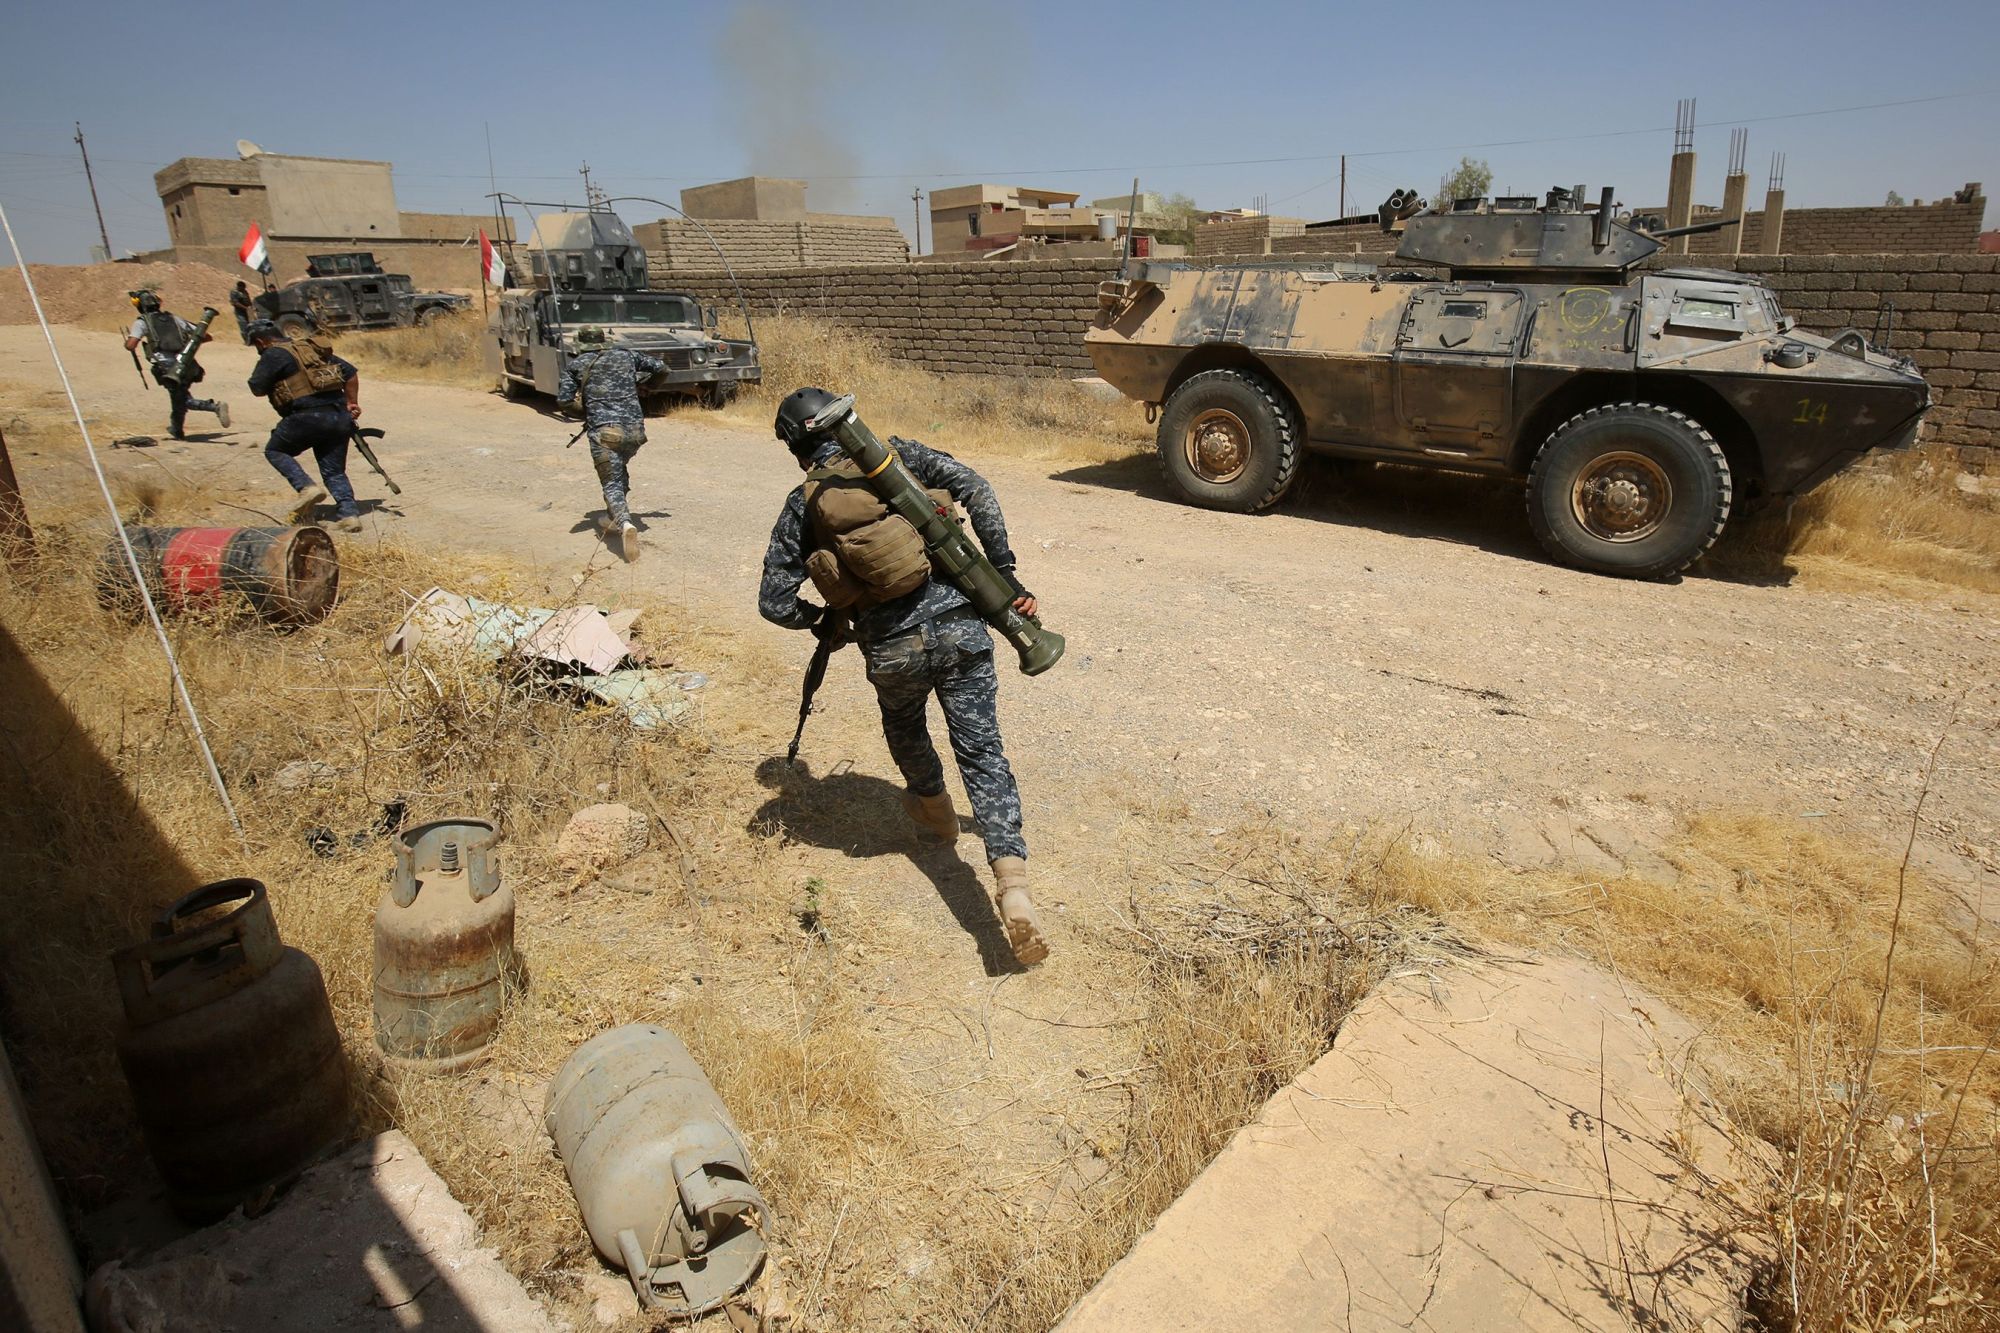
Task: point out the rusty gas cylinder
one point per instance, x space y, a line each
444 948
659 1169
230 1050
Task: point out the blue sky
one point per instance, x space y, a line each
869 99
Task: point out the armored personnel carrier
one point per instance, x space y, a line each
349 290
1643 408
588 268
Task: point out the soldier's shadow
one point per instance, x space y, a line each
863 817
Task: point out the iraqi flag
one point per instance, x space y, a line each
252 253
491 265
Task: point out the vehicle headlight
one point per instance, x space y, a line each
699 356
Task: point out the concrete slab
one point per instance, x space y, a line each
370 1241
1500 1147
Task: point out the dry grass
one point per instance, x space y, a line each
447 350
836 1120
976 415
1903 517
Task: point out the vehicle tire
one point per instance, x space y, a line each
715 397
1629 489
294 326
431 314
1228 441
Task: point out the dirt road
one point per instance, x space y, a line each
1381 649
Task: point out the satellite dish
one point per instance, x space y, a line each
244 148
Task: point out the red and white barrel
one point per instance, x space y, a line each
289 576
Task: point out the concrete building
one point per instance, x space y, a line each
753 198
1016 222
305 205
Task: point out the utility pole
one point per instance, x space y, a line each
1343 185
917 218
101 234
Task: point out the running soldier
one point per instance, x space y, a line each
318 397
165 335
919 637
602 382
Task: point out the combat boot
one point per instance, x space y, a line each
221 413
934 814
1017 911
310 499
628 540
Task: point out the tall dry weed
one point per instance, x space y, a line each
1903 516
447 350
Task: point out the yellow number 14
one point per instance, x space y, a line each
1810 413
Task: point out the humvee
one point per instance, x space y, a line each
588 268
349 290
1643 409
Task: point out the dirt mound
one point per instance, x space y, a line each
94 293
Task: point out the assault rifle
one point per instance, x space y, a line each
361 435
831 631
133 352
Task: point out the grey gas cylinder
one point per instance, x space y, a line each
658 1168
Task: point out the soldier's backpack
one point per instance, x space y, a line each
867 553
318 372
164 332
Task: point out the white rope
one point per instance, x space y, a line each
124 540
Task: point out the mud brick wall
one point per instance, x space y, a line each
673 245
1023 318
1244 236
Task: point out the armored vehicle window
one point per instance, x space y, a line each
587 309
657 310
1696 305
1707 313
1464 310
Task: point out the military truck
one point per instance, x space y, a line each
1642 408
349 290
587 268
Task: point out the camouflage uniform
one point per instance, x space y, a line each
608 384
926 642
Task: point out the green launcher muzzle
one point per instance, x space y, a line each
954 555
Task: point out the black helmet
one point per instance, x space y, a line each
147 301
262 328
799 407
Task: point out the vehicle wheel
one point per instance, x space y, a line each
715 397
294 326
1227 441
1630 489
431 314
510 387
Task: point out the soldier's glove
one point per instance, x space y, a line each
1014 583
831 629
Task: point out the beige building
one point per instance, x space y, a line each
1017 222
305 205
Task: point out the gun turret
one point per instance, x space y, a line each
1565 239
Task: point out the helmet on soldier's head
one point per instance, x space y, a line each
147 301
263 328
800 406
590 336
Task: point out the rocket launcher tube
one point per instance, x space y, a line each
184 363
954 555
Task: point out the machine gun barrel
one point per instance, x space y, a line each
1693 228
953 554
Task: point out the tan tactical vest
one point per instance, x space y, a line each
317 372
867 553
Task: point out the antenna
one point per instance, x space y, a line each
246 149
593 198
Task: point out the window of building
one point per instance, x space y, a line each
234 190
